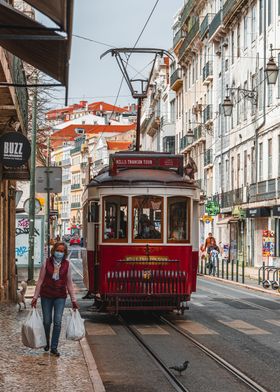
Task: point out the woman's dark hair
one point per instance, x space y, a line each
56 245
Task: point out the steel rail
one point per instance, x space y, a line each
232 369
173 380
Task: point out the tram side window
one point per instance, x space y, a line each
178 219
115 218
147 217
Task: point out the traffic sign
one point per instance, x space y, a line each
48 179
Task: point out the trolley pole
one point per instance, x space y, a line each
139 108
32 189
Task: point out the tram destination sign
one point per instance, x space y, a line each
155 161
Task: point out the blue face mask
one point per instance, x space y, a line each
58 255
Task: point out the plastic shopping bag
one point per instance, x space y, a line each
75 329
32 331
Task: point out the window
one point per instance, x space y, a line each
269 148
232 172
253 165
245 180
269 12
245 102
269 94
278 79
261 17
261 89
169 144
245 33
147 218
178 218
260 162
76 161
232 47
238 41
115 218
226 176
238 170
172 111
253 24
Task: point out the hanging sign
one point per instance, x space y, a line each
268 243
207 218
212 208
15 149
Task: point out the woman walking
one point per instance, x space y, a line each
54 282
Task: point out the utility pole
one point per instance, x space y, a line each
32 189
47 215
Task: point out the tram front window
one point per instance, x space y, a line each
147 218
178 219
115 218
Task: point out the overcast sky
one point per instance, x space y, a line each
117 23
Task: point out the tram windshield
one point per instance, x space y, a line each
115 218
177 219
147 218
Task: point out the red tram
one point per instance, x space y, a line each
140 220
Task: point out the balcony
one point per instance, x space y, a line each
18 77
231 8
264 190
64 197
83 165
197 133
75 186
178 38
187 11
208 157
76 205
207 114
176 81
153 124
204 27
65 215
208 73
189 38
216 27
66 178
66 162
185 141
75 150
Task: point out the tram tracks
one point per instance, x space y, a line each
218 359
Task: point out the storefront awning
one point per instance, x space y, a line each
37 45
227 220
60 11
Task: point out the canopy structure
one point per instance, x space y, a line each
39 46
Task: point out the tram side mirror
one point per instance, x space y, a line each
93 214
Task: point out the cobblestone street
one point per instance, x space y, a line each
23 369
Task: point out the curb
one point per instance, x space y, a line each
244 285
94 375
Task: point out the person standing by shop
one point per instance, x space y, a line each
54 282
208 241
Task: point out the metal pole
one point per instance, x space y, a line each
137 147
32 190
48 196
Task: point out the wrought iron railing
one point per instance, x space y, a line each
177 75
189 37
208 157
204 27
177 37
76 205
187 11
216 22
207 70
75 186
207 113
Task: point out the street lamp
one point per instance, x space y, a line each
271 70
252 95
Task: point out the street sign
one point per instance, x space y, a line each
15 149
48 179
212 208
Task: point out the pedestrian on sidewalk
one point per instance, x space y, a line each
208 241
54 282
213 253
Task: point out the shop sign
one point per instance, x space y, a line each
15 149
258 212
268 243
212 208
238 212
276 210
207 218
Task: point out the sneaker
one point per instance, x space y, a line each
55 352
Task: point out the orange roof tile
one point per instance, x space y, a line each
105 107
118 145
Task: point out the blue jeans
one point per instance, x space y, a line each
52 309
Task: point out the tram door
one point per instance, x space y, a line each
92 235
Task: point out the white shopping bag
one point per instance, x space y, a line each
75 329
32 331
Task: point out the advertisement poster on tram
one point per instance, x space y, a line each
268 240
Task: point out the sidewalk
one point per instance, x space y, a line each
28 370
